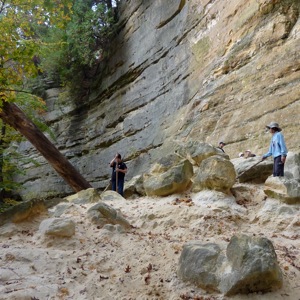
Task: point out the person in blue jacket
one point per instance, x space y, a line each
277 149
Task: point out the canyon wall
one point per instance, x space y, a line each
209 70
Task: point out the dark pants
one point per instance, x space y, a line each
278 167
120 185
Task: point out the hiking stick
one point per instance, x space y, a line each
117 189
249 169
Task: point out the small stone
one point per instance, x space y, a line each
58 227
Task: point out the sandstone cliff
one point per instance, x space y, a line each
209 70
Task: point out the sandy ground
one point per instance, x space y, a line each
108 263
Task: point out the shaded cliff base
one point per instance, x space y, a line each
141 263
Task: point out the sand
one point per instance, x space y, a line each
110 263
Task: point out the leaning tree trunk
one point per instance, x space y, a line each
2 190
12 115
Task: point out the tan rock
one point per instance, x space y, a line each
111 196
284 189
59 227
174 180
216 173
85 196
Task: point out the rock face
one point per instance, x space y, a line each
250 265
252 169
165 179
215 173
196 70
59 227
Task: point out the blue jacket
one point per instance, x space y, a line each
277 146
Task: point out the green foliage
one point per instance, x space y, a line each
71 51
19 43
7 204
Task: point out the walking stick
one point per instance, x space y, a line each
117 188
249 169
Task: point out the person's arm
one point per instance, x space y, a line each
269 153
113 161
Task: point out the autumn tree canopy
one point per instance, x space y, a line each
43 37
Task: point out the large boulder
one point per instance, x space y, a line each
292 166
254 266
285 189
252 169
199 263
135 186
85 196
101 214
111 196
215 173
196 151
168 177
59 227
250 265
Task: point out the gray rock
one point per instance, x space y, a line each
111 196
250 265
254 266
174 180
292 166
85 196
285 189
215 173
134 186
248 170
199 263
57 227
60 209
102 214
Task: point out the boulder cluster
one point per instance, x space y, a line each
99 214
198 166
194 165
247 264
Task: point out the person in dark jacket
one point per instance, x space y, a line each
221 145
277 149
119 169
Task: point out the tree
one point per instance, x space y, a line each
13 116
18 46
